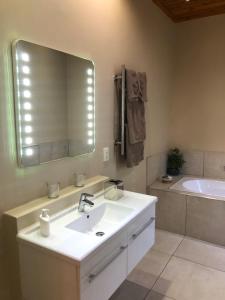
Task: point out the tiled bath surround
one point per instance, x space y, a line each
198 163
197 217
156 167
209 164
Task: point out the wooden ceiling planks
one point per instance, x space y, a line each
182 10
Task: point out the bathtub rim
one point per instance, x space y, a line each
194 194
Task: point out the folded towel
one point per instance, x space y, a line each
135 98
136 121
132 85
143 86
136 85
134 152
135 132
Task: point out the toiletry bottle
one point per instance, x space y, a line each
44 223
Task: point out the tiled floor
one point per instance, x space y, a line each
177 268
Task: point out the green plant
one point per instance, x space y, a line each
175 161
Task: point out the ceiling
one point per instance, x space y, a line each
183 10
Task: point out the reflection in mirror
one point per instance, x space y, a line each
54 104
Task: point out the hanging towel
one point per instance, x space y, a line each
134 152
136 85
136 96
143 86
135 132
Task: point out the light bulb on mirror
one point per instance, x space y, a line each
25 57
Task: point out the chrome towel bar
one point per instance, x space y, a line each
121 140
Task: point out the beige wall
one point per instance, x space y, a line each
110 33
198 102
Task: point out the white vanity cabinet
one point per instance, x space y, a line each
141 237
103 272
95 277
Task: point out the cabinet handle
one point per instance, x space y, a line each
135 235
92 276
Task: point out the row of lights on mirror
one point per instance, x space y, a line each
24 103
25 106
90 107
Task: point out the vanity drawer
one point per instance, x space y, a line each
141 237
106 277
102 253
141 220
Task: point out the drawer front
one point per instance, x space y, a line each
140 221
103 253
140 242
105 278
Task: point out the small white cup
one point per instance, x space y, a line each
53 190
79 180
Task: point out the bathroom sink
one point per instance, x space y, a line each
101 220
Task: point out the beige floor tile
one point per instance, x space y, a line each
201 252
156 296
167 242
148 270
186 280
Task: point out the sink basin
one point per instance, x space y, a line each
101 220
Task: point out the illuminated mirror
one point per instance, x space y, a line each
54 104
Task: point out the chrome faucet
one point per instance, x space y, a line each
84 201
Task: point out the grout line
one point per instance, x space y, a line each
203 165
169 297
159 276
171 256
178 245
197 263
186 202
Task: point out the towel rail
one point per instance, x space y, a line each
121 141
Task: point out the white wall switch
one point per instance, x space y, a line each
106 154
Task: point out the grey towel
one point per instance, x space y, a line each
136 86
135 132
136 96
134 152
143 86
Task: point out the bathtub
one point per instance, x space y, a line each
210 188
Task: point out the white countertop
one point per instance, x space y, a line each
73 244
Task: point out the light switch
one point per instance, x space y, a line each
106 154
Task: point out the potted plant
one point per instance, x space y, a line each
175 162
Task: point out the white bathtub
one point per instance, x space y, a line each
209 188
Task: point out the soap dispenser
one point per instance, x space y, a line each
45 223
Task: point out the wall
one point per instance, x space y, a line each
198 102
111 33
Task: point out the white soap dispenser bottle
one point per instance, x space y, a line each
44 223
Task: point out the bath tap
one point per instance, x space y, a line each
84 201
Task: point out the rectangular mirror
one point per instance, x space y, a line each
54 104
